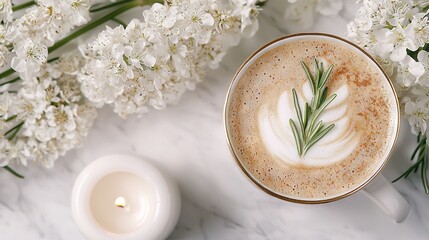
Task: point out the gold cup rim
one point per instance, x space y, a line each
291 199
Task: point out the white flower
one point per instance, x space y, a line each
161 16
247 11
394 43
6 11
417 113
29 57
4 53
420 26
78 11
6 101
409 72
423 58
195 21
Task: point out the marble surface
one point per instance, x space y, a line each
187 141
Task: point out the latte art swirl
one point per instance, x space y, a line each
277 136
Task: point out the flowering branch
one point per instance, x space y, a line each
99 21
133 66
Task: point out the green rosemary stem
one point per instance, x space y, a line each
311 129
9 169
420 156
23 5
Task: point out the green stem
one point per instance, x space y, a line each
120 22
11 118
6 73
13 131
96 9
53 59
10 81
95 24
9 169
23 5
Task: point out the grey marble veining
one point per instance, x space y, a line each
187 141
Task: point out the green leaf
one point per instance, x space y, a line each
306 113
317 137
296 136
9 169
309 77
297 108
424 170
316 129
324 95
320 109
325 77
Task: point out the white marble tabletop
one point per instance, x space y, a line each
187 141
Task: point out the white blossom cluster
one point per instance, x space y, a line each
304 12
50 108
27 38
396 32
152 62
49 111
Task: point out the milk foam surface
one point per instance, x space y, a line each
260 106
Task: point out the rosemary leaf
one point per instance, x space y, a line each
297 107
308 132
317 137
309 77
325 76
296 136
421 162
316 129
424 170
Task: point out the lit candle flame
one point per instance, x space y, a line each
120 202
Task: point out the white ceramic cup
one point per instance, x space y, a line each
376 187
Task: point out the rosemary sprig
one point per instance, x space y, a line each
420 156
311 130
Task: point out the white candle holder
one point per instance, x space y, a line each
122 197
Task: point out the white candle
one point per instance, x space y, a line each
121 197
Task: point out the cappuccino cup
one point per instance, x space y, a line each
312 118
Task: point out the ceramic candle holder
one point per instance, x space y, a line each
122 197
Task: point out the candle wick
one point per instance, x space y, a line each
120 202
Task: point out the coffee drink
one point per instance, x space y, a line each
260 105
